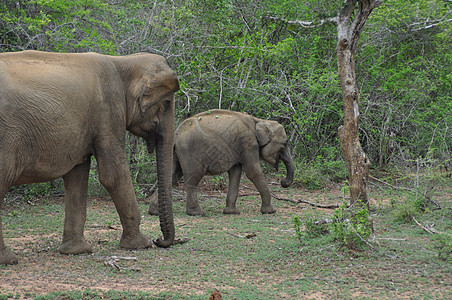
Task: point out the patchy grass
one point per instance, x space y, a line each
246 256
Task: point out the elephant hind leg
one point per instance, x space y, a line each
192 180
7 178
76 188
7 257
234 180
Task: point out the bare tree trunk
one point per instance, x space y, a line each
350 22
350 25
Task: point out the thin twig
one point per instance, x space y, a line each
181 241
236 235
390 239
249 194
423 227
328 206
248 236
370 245
321 279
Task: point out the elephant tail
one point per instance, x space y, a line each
177 170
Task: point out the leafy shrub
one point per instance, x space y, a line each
350 226
326 168
297 226
314 227
442 243
405 209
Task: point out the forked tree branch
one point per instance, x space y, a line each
429 24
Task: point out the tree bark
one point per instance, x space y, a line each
349 26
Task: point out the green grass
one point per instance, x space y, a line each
272 265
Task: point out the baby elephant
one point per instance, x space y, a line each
217 141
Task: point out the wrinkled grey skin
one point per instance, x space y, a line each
57 110
217 141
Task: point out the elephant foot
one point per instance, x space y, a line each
268 210
7 257
75 247
195 212
138 241
231 211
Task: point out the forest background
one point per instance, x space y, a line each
246 56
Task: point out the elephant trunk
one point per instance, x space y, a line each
164 154
288 161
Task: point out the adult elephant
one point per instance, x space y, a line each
217 141
57 110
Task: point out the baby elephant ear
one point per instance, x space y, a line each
263 133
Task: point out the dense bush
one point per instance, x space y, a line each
231 54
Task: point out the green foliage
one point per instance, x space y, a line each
351 225
325 169
405 71
245 56
442 243
297 226
218 182
407 208
142 165
417 194
313 227
31 192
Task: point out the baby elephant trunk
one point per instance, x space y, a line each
288 161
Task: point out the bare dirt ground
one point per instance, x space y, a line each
38 253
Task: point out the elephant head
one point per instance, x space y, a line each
150 98
272 140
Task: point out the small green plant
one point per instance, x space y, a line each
408 207
442 243
310 177
297 226
218 182
13 213
351 225
314 227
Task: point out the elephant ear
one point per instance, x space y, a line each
138 89
263 133
151 90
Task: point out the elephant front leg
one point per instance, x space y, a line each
254 173
115 177
76 189
234 180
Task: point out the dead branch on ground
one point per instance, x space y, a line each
112 261
429 229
